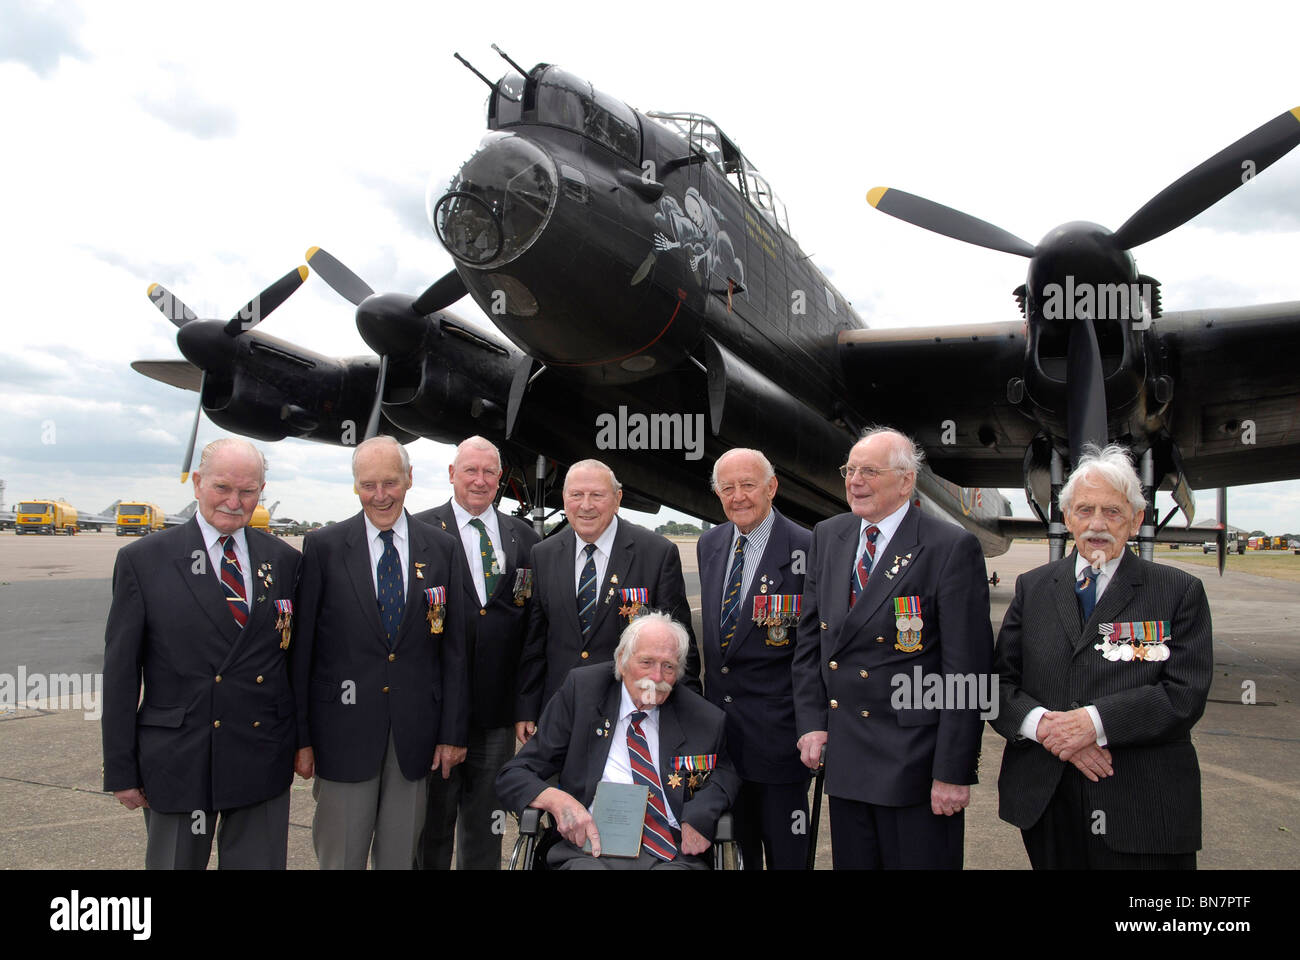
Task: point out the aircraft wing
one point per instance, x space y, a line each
176 373
947 388
1236 400
175 519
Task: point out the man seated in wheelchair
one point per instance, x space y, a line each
630 725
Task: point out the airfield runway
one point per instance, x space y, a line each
54 598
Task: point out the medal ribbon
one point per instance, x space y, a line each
635 594
436 595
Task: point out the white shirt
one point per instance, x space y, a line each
211 538
469 539
618 766
887 527
755 544
1029 727
604 549
401 544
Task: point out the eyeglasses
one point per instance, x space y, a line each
868 473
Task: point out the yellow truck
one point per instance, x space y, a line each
135 518
45 516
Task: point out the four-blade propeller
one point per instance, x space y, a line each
248 317
380 317
1191 194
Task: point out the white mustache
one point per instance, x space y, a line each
649 688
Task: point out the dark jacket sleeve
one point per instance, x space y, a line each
123 660
542 757
453 652
673 587
805 666
532 659
311 578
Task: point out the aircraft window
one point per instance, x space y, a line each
131 510
499 203
613 124
559 101
759 192
830 299
508 100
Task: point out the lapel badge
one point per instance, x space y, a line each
419 570
613 578
904 562
264 574
907 619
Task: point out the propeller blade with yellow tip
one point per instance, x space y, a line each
341 279
937 218
1207 184
260 307
170 305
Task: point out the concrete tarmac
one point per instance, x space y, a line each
54 599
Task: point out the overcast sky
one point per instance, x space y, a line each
207 147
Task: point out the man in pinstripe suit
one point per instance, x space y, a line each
1104 662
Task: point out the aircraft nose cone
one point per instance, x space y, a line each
204 343
498 204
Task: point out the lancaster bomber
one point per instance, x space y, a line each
651 306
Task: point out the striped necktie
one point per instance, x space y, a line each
232 578
862 570
587 589
657 836
731 600
392 595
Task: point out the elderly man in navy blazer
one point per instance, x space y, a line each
379 671
589 582
632 724
751 580
497 595
202 614
892 594
1104 662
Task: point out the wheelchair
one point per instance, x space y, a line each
537 837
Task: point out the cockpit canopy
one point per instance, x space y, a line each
704 137
563 100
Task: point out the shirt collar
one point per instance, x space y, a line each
604 543
764 527
211 534
1108 568
399 528
463 516
888 526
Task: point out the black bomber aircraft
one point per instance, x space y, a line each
652 308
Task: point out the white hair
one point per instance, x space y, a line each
382 440
594 465
229 443
632 632
477 443
1114 467
763 462
904 455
